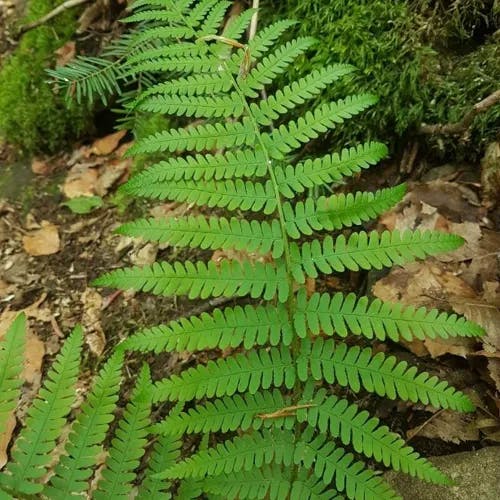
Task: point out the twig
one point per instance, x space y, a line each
461 126
420 427
68 4
255 19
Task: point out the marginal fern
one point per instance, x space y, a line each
266 398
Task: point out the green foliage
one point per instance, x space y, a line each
272 393
83 204
31 115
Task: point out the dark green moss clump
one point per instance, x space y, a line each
32 116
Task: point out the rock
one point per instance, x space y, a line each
476 475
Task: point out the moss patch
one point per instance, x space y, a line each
31 115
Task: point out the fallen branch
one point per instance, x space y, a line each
462 126
68 4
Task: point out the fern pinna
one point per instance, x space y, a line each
288 433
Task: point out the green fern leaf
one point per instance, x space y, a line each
343 314
334 466
308 486
239 454
354 367
290 136
199 138
355 427
328 169
237 25
214 19
200 11
213 233
184 64
127 446
367 251
182 49
297 93
226 278
231 327
166 451
168 33
228 414
239 373
338 211
87 434
45 420
273 65
267 37
12 347
230 165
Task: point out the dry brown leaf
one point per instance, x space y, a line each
449 426
490 175
145 255
44 241
33 358
40 167
240 256
5 437
66 53
110 173
94 335
80 181
494 371
106 145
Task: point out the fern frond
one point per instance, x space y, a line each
273 65
250 372
231 327
236 26
166 451
334 466
213 233
308 486
87 433
227 278
357 428
343 314
180 49
288 137
230 165
199 138
127 447
227 414
271 481
328 169
214 19
167 33
297 93
45 420
367 251
355 368
184 64
200 11
337 211
239 454
266 38
194 106
12 346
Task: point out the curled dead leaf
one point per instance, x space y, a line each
106 145
43 241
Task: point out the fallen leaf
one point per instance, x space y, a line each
43 241
5 437
80 181
450 426
106 145
111 173
83 204
40 167
145 255
66 53
490 175
91 321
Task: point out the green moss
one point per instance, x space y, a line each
31 115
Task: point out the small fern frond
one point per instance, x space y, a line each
328 169
226 278
236 26
334 466
127 446
286 138
238 454
12 347
199 138
213 233
273 65
183 49
183 64
297 93
214 19
343 314
228 414
308 486
229 194
354 427
250 372
45 420
355 368
337 211
166 451
246 326
87 433
266 37
368 251
230 165
167 33
271 481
